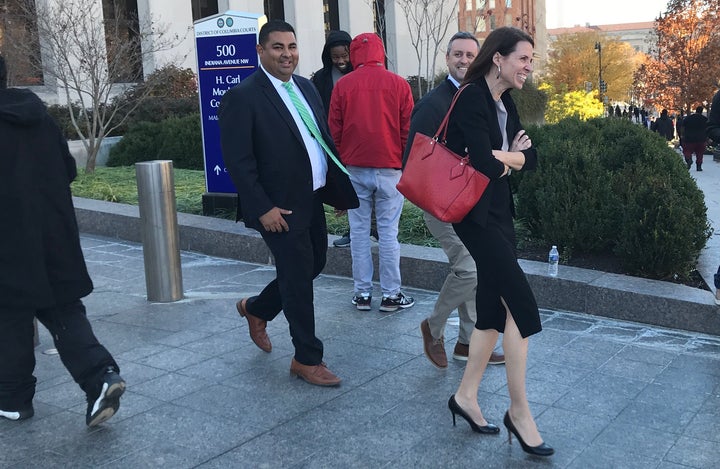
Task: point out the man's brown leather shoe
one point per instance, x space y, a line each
496 358
256 327
319 375
462 350
434 348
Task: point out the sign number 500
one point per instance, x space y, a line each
227 50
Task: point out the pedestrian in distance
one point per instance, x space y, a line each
485 124
664 125
458 290
283 162
369 119
42 268
694 138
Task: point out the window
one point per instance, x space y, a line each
492 4
122 40
19 43
331 15
274 9
492 23
204 8
469 5
469 23
508 3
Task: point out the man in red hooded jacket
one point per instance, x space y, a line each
369 120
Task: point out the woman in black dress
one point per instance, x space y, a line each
485 124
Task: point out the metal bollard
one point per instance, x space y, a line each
160 236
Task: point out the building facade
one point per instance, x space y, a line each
640 36
483 16
310 18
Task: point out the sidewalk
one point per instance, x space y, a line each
605 393
708 180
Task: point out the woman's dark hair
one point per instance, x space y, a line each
503 40
271 27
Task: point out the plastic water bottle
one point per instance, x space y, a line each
553 260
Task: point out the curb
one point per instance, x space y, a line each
574 290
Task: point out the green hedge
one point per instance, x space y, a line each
608 186
178 139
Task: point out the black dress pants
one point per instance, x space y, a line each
81 353
300 256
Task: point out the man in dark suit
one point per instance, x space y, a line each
282 161
458 290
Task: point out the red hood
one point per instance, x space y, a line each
367 49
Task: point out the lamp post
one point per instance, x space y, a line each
601 84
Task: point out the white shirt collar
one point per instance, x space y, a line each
276 82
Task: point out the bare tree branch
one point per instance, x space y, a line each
93 53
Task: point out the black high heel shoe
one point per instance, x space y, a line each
456 409
543 449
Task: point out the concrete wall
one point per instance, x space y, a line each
576 290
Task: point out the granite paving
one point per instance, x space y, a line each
605 393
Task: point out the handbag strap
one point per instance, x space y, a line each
444 124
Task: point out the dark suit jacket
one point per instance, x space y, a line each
266 157
474 126
429 112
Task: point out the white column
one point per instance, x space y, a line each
306 17
243 6
175 19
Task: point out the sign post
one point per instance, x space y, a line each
226 55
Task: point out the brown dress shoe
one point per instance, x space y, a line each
319 375
256 327
496 358
434 348
461 352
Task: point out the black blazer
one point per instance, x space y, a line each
266 157
473 125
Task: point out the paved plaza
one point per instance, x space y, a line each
606 394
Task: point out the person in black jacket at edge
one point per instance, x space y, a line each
42 268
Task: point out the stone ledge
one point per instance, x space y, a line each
575 290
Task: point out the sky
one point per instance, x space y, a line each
568 13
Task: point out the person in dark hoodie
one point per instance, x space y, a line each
336 63
664 126
42 269
369 120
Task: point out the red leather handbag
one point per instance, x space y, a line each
438 180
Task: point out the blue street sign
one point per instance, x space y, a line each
225 47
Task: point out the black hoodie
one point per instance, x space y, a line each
323 78
41 262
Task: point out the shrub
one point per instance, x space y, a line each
61 114
178 139
167 92
608 186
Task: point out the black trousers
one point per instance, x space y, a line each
300 256
81 353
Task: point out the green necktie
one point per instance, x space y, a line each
310 123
